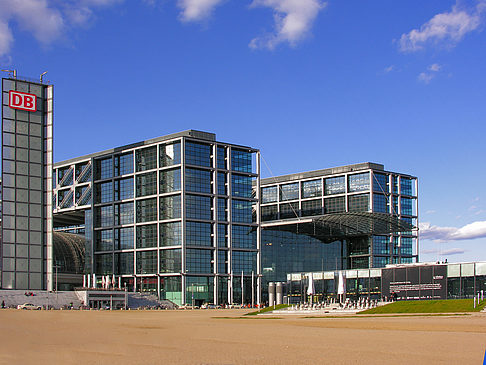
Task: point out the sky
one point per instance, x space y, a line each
311 83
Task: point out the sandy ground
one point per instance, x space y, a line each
222 337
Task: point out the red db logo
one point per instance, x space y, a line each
22 101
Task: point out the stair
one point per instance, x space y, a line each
144 300
60 300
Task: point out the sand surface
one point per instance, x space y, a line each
222 337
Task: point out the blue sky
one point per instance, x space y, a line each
312 83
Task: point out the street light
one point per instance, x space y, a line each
57 296
42 75
12 73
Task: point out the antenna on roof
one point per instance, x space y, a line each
42 75
12 73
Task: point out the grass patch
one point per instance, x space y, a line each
427 306
267 309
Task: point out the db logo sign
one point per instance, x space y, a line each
22 101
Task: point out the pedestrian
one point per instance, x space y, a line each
3 303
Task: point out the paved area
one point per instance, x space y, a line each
223 337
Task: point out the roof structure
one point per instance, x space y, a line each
333 227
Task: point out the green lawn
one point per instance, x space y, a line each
427 306
267 309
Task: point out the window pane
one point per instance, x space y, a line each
198 154
270 194
199 234
170 261
147 210
170 234
147 236
198 207
170 154
241 186
170 207
146 159
289 192
198 181
240 160
147 184
312 188
170 181
359 182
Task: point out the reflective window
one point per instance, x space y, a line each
146 210
104 192
198 154
170 207
170 181
147 262
289 191
147 184
241 211
270 194
358 182
406 206
381 245
147 236
358 203
199 181
104 168
146 159
222 262
222 183
243 262
124 239
241 186
289 210
170 154
198 207
334 205
380 261
124 164
222 209
406 246
199 234
171 261
104 216
104 240
395 184
380 203
406 186
222 235
104 264
199 261
221 157
269 212
312 207
243 237
312 188
240 160
380 183
335 185
170 234
124 263
124 189
124 213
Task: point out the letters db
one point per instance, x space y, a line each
22 101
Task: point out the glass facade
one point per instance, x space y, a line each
169 216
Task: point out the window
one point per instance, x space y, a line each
199 207
199 234
198 181
147 262
124 239
241 186
104 168
311 189
170 181
380 183
147 184
124 164
334 205
358 203
222 235
359 182
406 186
395 184
222 209
170 154
289 192
240 160
380 261
221 157
243 237
104 216
147 236
269 212
199 261
146 210
124 213
243 262
312 207
380 203
289 210
170 234
406 246
270 194
104 264
241 211
171 261
222 183
124 189
198 154
170 207
406 206
124 263
381 245
335 185
146 159
104 240
222 262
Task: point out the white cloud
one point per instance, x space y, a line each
448 27
444 234
46 20
197 10
435 67
389 69
448 252
293 20
426 77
